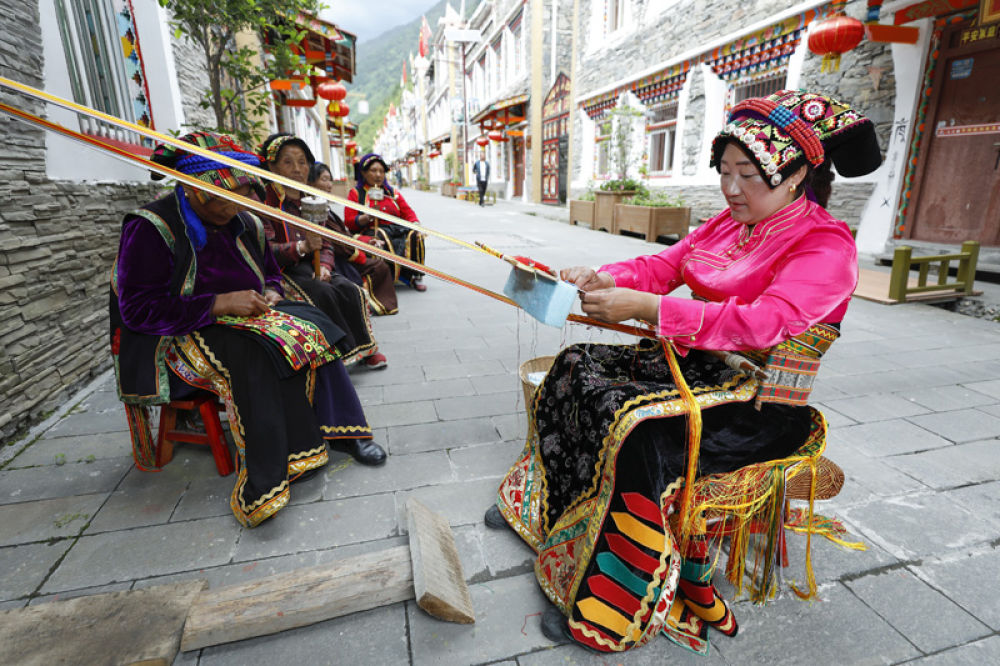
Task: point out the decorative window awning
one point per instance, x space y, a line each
662 86
502 113
325 46
762 52
350 130
438 140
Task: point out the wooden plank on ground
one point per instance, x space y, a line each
111 628
299 598
438 580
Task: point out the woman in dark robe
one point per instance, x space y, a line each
338 297
368 271
196 303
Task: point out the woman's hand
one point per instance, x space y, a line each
246 303
312 242
617 304
272 297
377 242
325 274
587 279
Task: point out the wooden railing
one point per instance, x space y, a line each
903 260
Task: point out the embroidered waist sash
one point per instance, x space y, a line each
791 366
300 342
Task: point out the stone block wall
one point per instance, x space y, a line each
57 242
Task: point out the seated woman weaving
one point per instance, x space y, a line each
196 303
597 491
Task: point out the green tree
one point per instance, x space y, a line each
238 75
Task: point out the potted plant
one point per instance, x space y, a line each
582 208
623 120
653 214
449 188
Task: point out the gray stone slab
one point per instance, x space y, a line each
993 410
483 353
443 388
867 477
512 427
969 580
77 448
834 419
111 419
468 543
392 374
497 404
84 592
320 525
495 383
405 413
442 435
190 463
146 551
23 568
508 614
952 466
990 387
886 438
965 425
920 525
876 407
419 357
138 507
370 395
24 485
47 519
506 554
836 629
858 365
484 460
832 562
377 636
982 499
945 398
906 602
985 651
401 471
657 652
247 572
461 503
470 369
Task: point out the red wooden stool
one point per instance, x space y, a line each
209 408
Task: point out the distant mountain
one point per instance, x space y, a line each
380 65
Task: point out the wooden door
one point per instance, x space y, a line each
517 162
957 195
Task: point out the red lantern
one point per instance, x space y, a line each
350 146
482 141
837 34
331 90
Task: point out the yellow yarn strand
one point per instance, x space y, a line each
693 441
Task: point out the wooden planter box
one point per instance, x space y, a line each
652 222
449 189
581 211
604 208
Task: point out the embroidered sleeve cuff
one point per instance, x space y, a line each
681 320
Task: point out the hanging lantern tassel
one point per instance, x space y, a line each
834 36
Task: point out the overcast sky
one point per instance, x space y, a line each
370 19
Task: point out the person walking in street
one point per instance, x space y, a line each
482 170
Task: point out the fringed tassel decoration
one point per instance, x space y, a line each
831 528
143 445
810 593
693 442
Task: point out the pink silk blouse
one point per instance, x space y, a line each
796 268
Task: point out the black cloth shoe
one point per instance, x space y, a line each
365 451
494 519
555 627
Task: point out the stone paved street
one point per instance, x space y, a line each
912 394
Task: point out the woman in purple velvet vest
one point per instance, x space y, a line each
197 304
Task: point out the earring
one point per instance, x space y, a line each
791 188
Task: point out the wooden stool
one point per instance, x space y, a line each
208 407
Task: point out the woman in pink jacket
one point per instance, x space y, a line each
771 277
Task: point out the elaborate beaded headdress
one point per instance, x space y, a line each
789 128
